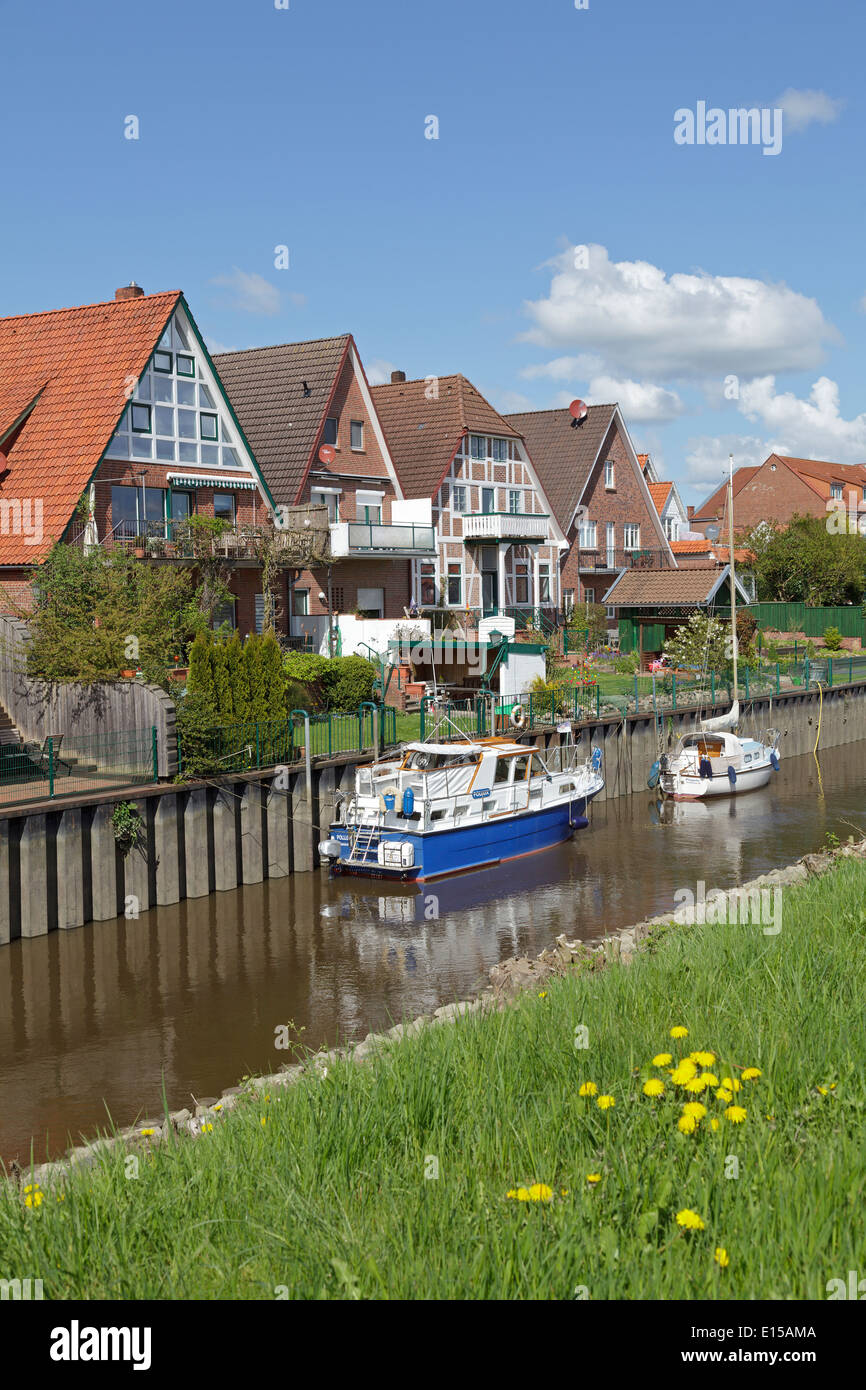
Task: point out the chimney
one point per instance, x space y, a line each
690 511
397 377
130 291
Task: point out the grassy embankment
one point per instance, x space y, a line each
321 1187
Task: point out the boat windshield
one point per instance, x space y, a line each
422 761
704 744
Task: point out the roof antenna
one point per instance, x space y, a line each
307 391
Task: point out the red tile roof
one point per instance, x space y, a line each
819 474
423 433
75 364
702 547
659 492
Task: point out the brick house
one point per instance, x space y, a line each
498 541
600 498
669 505
778 489
114 431
308 412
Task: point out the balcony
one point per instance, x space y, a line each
184 540
505 526
376 538
592 559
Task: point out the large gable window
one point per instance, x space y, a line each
140 419
163 362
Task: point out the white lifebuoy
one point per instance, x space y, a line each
518 717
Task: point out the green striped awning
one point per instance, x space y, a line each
210 480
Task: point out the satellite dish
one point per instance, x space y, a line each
579 410
712 533
327 454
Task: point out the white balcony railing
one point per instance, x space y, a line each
523 526
376 538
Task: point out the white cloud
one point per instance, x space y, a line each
803 108
684 326
511 402
379 371
252 293
215 347
638 400
812 428
565 368
707 457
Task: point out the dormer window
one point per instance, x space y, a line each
836 490
609 478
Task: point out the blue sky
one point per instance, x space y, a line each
305 127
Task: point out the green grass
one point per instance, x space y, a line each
329 1197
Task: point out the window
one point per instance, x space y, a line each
503 770
329 433
331 500
260 613
455 584
521 581
544 583
589 595
371 603
368 507
478 446
863 494
488 499
209 426
587 535
536 767
610 612
162 361
609 478
499 450
301 603
130 511
520 766
458 499
224 506
357 431
185 365
514 502
428 583
835 488
226 612
631 536
568 601
672 528
140 419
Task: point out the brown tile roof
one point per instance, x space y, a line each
659 492
714 506
818 474
563 453
77 362
640 588
423 434
282 424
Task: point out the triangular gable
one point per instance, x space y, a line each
618 421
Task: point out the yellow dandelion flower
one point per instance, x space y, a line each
696 1085
518 1194
730 1083
540 1192
725 1095
751 1073
605 1102
206 1129
662 1059
264 1121
679 1032
703 1059
694 1107
588 1088
593 1178
687 1124
543 994
30 1186
33 1200
654 1088
683 1073
714 1123
146 1133
689 1220
721 1256
709 1078
736 1114
563 1192
61 1196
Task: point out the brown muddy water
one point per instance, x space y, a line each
95 1021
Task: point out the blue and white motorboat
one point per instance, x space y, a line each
443 808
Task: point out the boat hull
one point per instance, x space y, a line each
440 852
705 788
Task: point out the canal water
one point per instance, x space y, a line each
98 1020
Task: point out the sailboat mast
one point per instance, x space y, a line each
733 574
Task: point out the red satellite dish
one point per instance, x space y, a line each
327 454
578 409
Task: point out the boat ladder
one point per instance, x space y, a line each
366 837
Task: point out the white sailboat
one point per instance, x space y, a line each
715 761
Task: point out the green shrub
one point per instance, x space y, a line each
195 727
627 664
350 682
833 639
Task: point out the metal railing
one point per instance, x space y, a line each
350 537
594 558
257 745
75 764
493 525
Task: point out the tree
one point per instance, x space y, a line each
703 641
807 562
200 681
258 705
236 672
224 701
272 678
